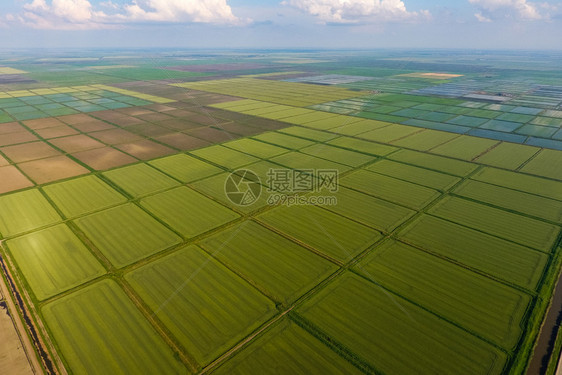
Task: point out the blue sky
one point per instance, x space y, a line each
479 24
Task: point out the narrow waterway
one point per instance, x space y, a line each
547 336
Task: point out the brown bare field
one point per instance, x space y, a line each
52 169
57 131
145 149
227 115
154 117
159 107
12 179
267 124
17 137
179 124
29 151
104 158
179 112
212 135
115 136
149 130
11 127
134 111
76 143
205 119
182 141
93 125
75 119
42 123
3 161
127 121
107 115
241 129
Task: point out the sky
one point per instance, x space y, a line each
278 24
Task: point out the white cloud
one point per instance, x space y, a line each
61 14
81 14
208 11
521 9
480 17
356 11
73 10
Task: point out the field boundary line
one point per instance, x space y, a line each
23 338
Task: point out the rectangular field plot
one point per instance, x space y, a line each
509 226
182 285
547 143
424 140
313 135
432 125
377 213
487 307
43 103
187 211
507 155
338 155
518 181
393 335
359 127
287 348
140 179
389 133
309 117
215 187
501 126
330 234
284 140
256 148
99 331
25 211
547 121
83 195
54 260
438 163
299 161
279 267
185 168
464 147
289 112
297 94
547 163
332 123
537 131
389 188
517 117
494 256
126 234
512 200
225 157
420 176
360 145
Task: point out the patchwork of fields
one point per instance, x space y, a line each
440 255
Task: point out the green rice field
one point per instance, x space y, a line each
231 214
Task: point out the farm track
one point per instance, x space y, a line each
544 349
28 346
